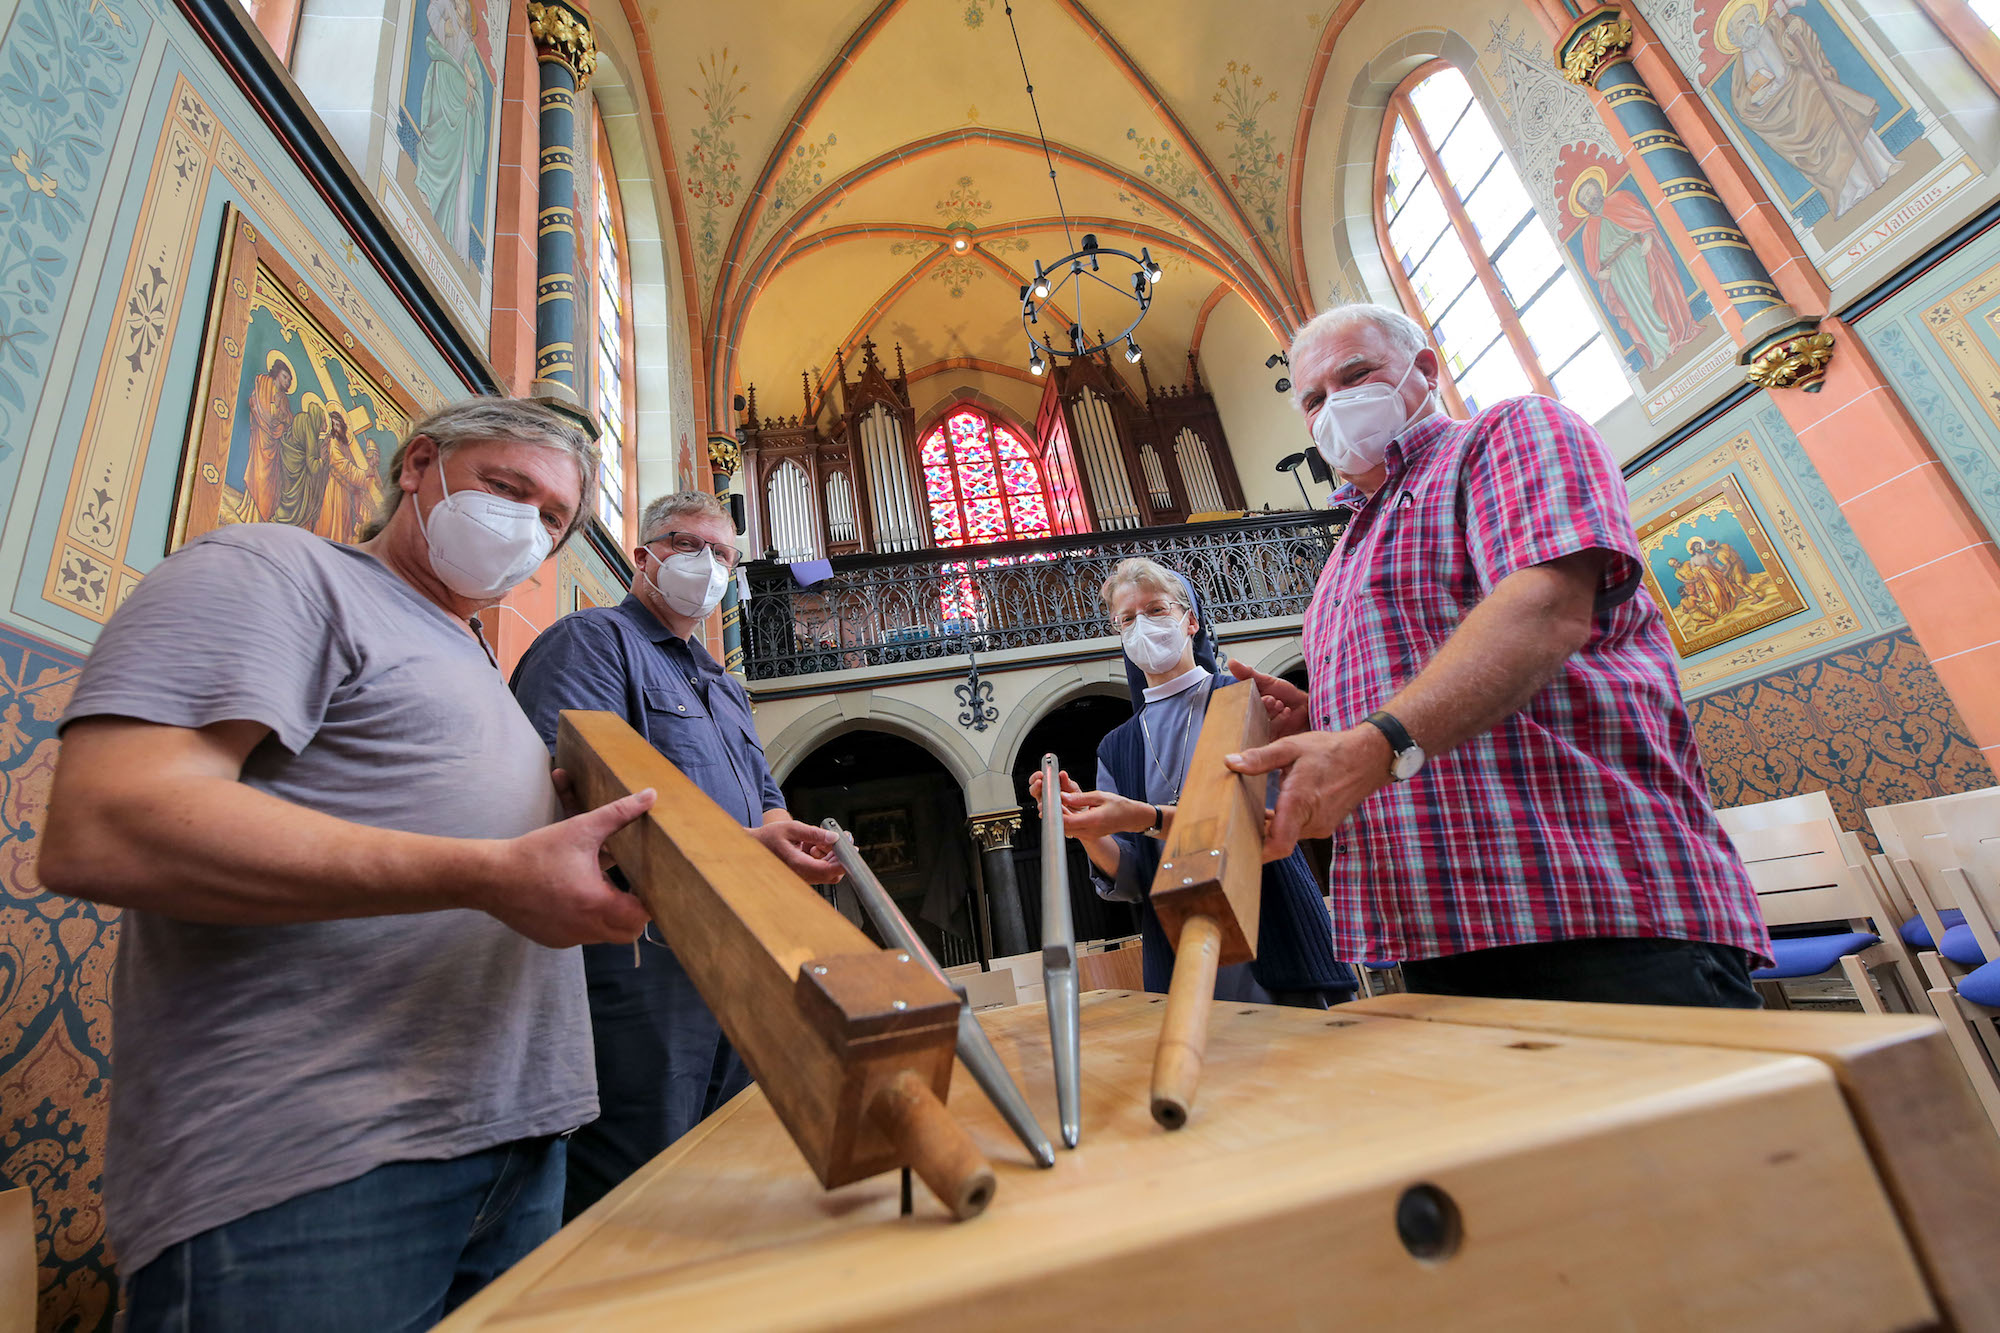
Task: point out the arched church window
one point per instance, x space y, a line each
611 294
278 20
982 482
1474 262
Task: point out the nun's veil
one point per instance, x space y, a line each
1204 645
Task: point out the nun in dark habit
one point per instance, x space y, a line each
1170 662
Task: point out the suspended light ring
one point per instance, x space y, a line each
1083 265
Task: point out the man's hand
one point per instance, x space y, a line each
805 849
1095 814
1326 775
549 887
1285 704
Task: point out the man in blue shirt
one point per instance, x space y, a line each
662 1061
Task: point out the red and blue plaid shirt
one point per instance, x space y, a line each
1586 814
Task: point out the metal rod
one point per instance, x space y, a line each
975 1048
1059 959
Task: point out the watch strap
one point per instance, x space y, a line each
1386 723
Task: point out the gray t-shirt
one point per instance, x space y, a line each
252 1064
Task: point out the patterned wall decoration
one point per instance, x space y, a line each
794 185
1163 163
711 179
583 579
1651 304
1259 177
1831 129
438 168
1813 588
55 1006
92 566
962 211
64 71
1938 341
1870 724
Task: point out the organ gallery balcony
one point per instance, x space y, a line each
879 610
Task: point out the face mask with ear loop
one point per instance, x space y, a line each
1355 427
690 582
482 544
1155 643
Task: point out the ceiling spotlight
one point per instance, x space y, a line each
1041 283
1274 358
1131 350
959 243
1147 266
1036 365
1283 385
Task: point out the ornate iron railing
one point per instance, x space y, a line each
883 609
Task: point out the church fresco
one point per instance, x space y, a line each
296 422
1712 568
1832 131
1614 242
441 158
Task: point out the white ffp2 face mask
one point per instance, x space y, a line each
1155 643
1355 426
691 582
483 544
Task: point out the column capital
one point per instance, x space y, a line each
1598 39
724 455
1797 361
994 831
562 35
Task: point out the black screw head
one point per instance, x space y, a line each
1428 1223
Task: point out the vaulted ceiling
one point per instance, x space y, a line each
854 169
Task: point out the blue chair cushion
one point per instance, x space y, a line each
1918 935
1959 946
1982 986
1810 955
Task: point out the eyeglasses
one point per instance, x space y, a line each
685 543
1162 607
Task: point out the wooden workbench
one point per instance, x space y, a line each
1603 1167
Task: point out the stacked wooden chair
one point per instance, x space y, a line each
1945 855
1810 872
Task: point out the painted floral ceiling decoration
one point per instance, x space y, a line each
872 169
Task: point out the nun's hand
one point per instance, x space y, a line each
1067 785
1098 814
1285 704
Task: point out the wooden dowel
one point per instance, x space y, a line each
1184 1029
934 1144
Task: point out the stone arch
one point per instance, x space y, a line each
1359 263
872 712
1065 685
1282 657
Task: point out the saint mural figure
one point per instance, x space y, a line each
451 133
1633 268
1788 93
302 465
353 482
1728 566
270 418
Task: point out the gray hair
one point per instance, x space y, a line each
498 420
1404 334
680 504
1146 575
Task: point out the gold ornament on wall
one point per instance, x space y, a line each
563 35
724 455
1590 48
1792 363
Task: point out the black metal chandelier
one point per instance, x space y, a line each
1082 265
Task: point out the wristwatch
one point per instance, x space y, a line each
1407 757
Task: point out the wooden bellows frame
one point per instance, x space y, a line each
1209 888
852 1045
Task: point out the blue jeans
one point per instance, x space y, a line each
396 1249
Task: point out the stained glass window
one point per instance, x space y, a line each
983 484
1475 261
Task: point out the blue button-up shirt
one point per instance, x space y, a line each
623 660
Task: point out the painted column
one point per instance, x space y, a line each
1780 347
724 457
1006 927
567 53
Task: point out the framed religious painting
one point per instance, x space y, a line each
884 839
1714 571
294 421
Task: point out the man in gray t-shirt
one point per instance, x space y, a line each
349 1028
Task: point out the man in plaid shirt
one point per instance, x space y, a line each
1494 738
